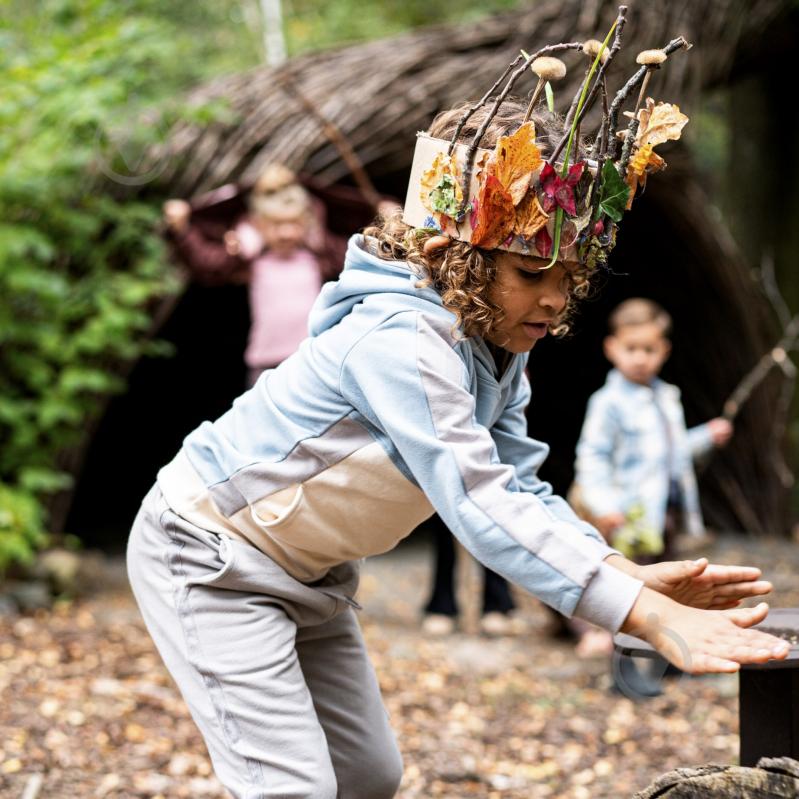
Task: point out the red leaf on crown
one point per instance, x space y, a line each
495 215
543 242
559 191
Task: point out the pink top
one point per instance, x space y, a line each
282 291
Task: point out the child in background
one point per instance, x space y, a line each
277 249
634 458
441 611
634 474
408 398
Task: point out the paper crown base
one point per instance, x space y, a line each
527 228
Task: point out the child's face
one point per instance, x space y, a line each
638 351
282 234
532 298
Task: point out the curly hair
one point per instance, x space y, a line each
460 273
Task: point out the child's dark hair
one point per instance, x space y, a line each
461 273
639 311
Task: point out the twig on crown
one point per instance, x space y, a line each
600 146
479 104
475 143
621 19
627 150
631 85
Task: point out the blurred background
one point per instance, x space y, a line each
109 354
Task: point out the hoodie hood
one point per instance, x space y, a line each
364 275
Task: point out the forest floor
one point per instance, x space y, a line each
89 712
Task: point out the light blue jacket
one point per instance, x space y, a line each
384 415
623 452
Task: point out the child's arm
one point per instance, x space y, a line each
594 463
527 455
407 379
704 437
702 641
211 262
696 582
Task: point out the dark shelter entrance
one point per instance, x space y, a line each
166 399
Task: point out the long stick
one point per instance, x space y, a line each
336 138
758 373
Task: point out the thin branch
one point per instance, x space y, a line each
760 370
475 143
783 409
621 19
631 85
601 142
743 509
479 104
769 280
334 135
627 150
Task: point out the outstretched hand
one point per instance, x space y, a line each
703 641
703 585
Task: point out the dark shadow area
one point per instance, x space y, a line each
165 400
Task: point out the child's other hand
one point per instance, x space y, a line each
702 585
703 641
176 214
720 431
232 242
609 523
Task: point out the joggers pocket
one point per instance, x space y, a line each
196 556
226 554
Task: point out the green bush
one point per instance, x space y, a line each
81 259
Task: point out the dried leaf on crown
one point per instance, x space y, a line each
530 216
516 158
494 215
657 124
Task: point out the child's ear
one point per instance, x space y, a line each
666 349
609 347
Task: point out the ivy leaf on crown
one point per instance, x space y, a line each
613 192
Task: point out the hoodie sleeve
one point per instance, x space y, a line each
527 455
406 378
700 440
594 466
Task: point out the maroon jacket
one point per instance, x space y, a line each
202 249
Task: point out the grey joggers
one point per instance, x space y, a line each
275 672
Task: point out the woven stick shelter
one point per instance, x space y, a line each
673 247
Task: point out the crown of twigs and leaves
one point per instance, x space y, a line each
543 206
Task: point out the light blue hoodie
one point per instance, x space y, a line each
384 415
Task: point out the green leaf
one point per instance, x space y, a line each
37 479
443 197
550 97
556 237
613 192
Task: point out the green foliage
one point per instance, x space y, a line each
311 24
21 525
81 260
613 192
